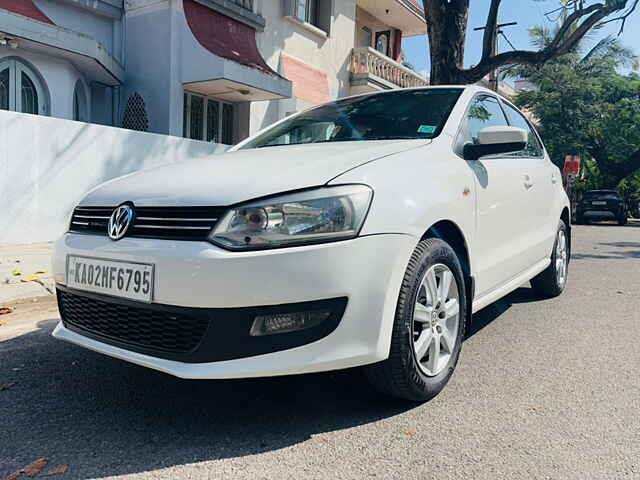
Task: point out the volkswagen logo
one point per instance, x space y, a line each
120 221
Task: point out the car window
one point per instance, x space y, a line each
403 114
516 119
601 196
483 112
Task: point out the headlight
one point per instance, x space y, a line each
314 216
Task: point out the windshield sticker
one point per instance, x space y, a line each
426 129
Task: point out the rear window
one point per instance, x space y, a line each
601 196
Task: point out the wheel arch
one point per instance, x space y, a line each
451 233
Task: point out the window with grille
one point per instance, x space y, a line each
4 89
248 4
207 119
306 10
135 114
318 13
213 121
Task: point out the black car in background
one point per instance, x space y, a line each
601 205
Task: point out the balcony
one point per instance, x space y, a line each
372 71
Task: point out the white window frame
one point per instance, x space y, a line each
16 68
187 117
310 11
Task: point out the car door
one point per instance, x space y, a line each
540 181
502 202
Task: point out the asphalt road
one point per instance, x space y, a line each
545 389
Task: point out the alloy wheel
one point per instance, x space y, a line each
436 319
561 258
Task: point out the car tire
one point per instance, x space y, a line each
552 281
402 375
622 221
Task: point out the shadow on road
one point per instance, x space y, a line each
491 312
622 251
106 417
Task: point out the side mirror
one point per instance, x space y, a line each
495 140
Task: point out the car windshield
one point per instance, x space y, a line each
601 196
405 114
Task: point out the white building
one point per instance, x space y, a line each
212 70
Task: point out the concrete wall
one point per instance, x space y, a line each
328 53
48 164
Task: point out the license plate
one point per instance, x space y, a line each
598 203
111 277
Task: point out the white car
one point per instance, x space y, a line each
363 232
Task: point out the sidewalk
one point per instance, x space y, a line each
25 272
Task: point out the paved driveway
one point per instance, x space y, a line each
545 389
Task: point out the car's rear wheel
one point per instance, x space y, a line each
622 220
428 327
551 281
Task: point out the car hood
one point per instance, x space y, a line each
242 175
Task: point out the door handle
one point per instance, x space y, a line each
528 183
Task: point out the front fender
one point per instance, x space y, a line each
415 189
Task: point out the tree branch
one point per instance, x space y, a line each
622 18
571 19
559 45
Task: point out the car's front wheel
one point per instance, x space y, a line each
428 327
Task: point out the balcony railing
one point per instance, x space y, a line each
367 61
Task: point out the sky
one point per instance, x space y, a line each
527 13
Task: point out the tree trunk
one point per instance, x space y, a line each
447 23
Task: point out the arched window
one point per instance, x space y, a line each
20 88
80 105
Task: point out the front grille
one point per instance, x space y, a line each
177 223
143 327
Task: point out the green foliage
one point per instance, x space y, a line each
585 107
630 188
590 178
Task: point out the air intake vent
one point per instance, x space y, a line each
175 223
142 326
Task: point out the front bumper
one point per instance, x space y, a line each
366 272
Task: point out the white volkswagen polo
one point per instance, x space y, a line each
363 232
